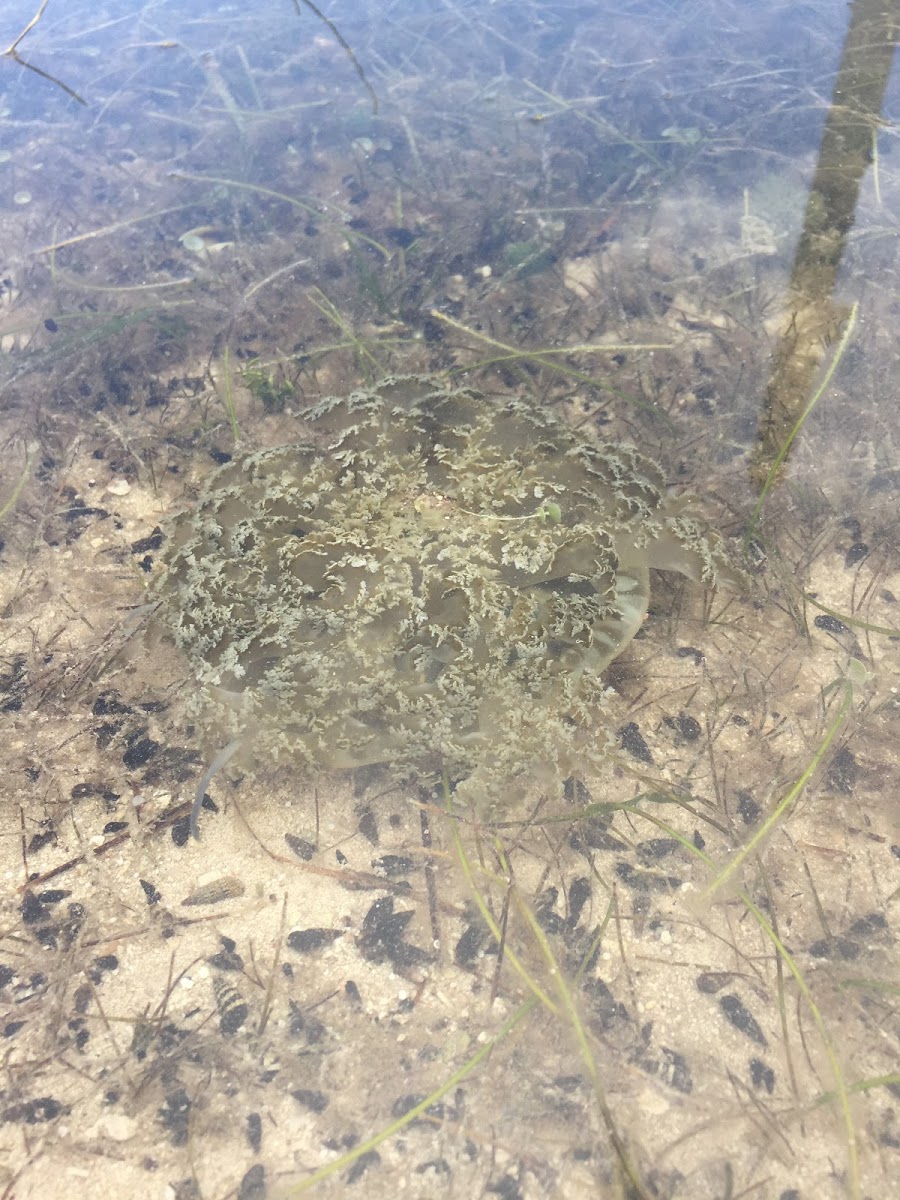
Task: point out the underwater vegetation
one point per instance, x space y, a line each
437 581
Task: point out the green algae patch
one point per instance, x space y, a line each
435 581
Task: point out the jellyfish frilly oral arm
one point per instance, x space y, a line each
224 756
430 556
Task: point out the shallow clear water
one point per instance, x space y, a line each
673 224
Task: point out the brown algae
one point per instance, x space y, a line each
436 581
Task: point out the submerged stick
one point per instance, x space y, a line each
345 46
12 51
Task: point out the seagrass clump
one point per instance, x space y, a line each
435 580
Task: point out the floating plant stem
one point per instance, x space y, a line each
344 46
841 1089
512 352
487 916
257 100
780 990
304 205
261 283
419 1109
273 970
564 1005
573 1019
333 314
114 228
830 1052
223 91
81 339
604 126
13 500
229 397
846 619
544 357
77 284
781 808
881 986
861 1086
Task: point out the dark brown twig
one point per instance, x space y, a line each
12 51
345 46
